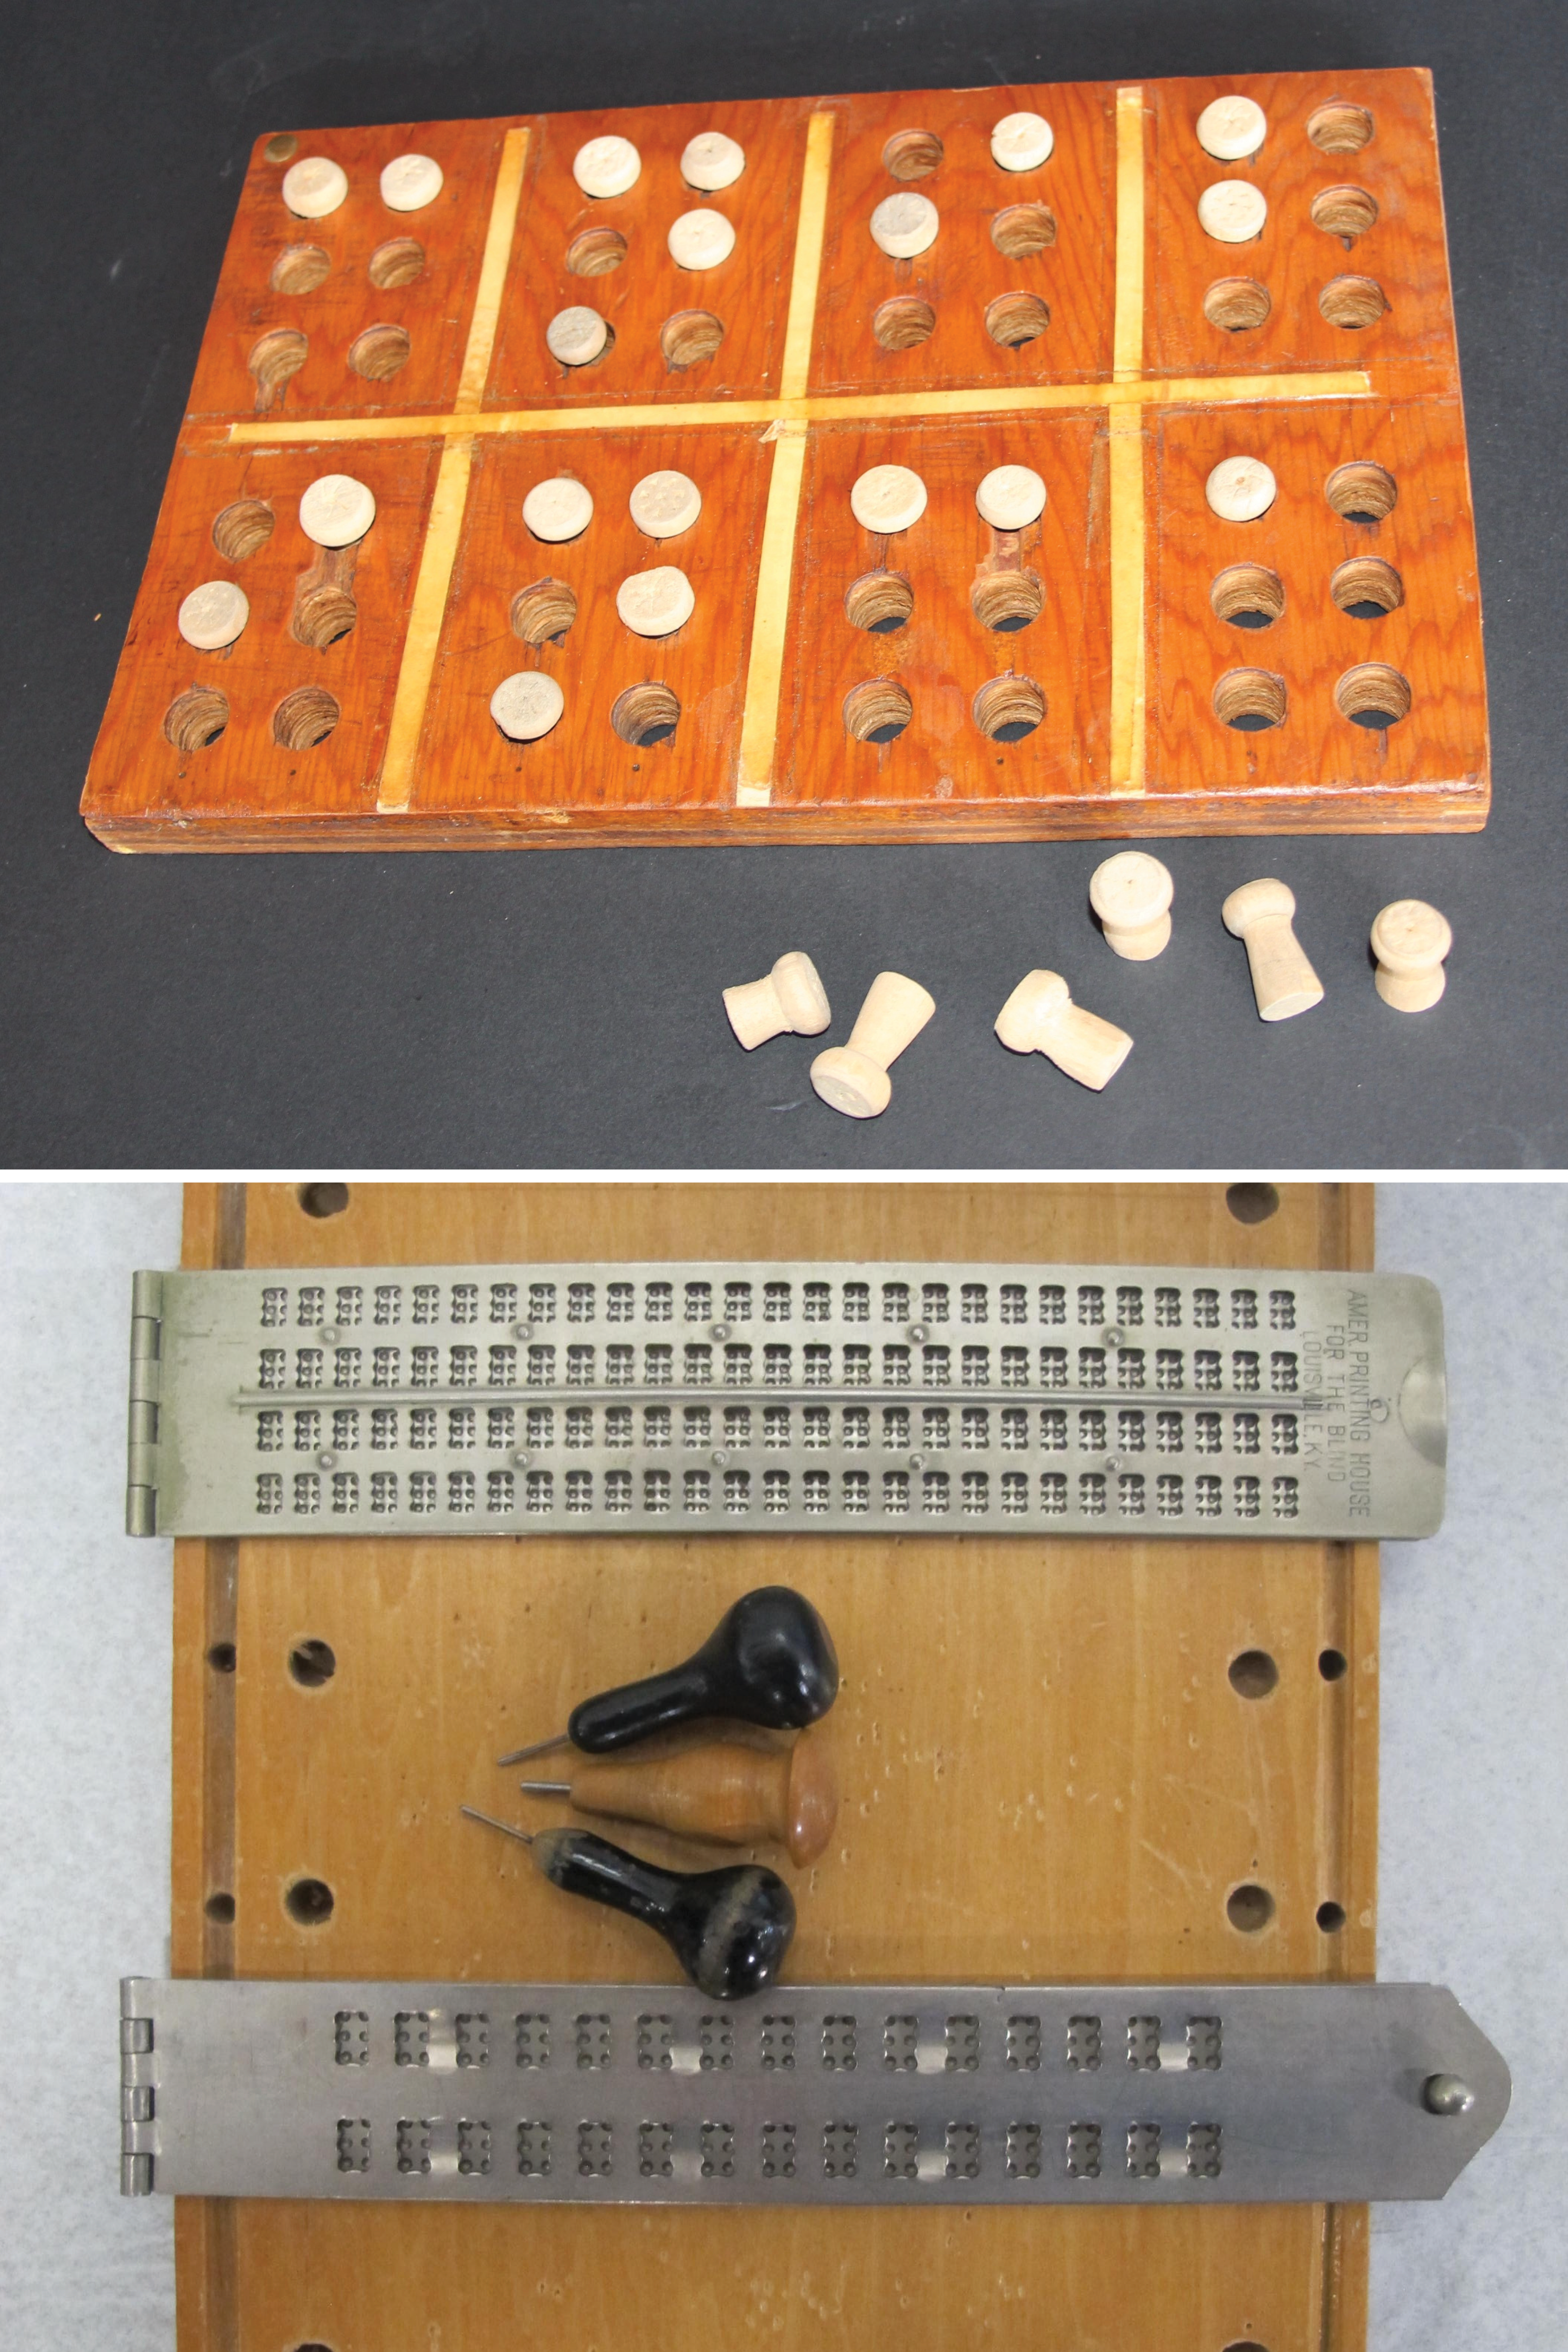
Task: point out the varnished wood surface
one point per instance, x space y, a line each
1046 1772
943 779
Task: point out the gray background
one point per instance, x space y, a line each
1473 1858
533 1010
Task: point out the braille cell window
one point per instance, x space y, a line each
857 1367
737 1424
542 1302
1284 1432
426 1367
896 1493
1243 1432
459 1425
1015 1493
936 1426
307 1493
501 1426
1283 1310
617 1491
933 1301
502 1373
658 1302
460 1492
269 1495
1090 1303
737 1365
1247 1496
737 1492
896 1368
1130 1430
1168 1368
976 1493
1091 1429
695 1491
274 1308
269 1432
383 1493
539 1492
1168 1310
1053 1303
1244 1369
272 1363
532 2148
1091 1368
775 1302
1205 1310
579 1492
1283 1371
423 1427
1207 1433
385 1365
975 1368
1207 1493
465 1302
976 1428
1091 1494
503 1302
1084 2042
738 1302
1083 2151
580 1365
421 1492
1168 1433
1206 1368
658 1365
699 1302
1053 1494
817 1302
312 1307
1143 2151
427 1303
620 1302
1129 1304
1286 1498
816 1427
349 1303
973 1303
1168 1496
776 1364
1244 1310
776 1427
815 1492
775 1492
818 1366
308 1368
855 1427
895 1302
1129 1495
1014 1423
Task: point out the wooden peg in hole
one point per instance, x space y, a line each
789 998
1131 894
853 1079
1282 980
1041 1017
1410 940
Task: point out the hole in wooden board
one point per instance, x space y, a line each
1249 1908
542 612
1236 303
324 1200
1015 319
304 719
595 252
1340 126
1332 1664
1253 1675
1248 596
1242 2343
309 1902
313 1664
242 528
1019 230
274 358
221 1657
1352 301
379 353
1008 708
880 601
281 147
300 269
1331 1918
1007 599
913 154
689 337
1249 699
1372 694
219 1909
646 714
904 322
877 710
196 718
1252 1204
398 262
1366 588
1362 492
1345 212
323 613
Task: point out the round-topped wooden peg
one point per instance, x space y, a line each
559 509
888 499
1410 940
788 998
409 183
656 604
1041 1017
1131 894
1022 142
711 161
1233 211
577 336
663 505
1010 498
853 1079
214 615
1283 980
607 166
336 511
1231 128
700 239
1241 489
314 187
904 225
527 705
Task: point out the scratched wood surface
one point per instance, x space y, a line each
1122 401
1046 1770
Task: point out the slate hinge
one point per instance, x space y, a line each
142 1436
137 2095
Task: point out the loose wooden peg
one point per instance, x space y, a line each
1230 129
1282 980
1131 894
905 224
606 166
409 183
1233 211
853 1079
1410 940
700 239
1041 1017
789 998
314 187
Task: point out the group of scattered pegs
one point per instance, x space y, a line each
1130 893
769 1662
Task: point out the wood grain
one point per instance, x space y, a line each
1045 1769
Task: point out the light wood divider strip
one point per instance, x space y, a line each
425 618
1127 348
493 272
1128 556
810 230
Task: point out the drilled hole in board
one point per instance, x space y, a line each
311 1664
219 1909
304 719
327 2347
398 262
242 528
196 718
1019 230
1242 2343
880 601
322 614
1252 1204
543 612
275 357
1015 319
1254 1673
1362 492
1250 699
1249 1908
1352 301
1235 303
877 710
1373 696
1344 212
299 268
1248 596
1332 1664
913 154
280 147
309 1902
1008 600
688 337
1331 1918
324 1200
904 322
379 353
221 1657
1008 709
1365 587
595 252
646 714
1340 128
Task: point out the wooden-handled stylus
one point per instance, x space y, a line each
722 1791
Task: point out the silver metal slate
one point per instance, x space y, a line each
681 1399
811 2095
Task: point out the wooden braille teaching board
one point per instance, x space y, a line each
1130 663
1048 1774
